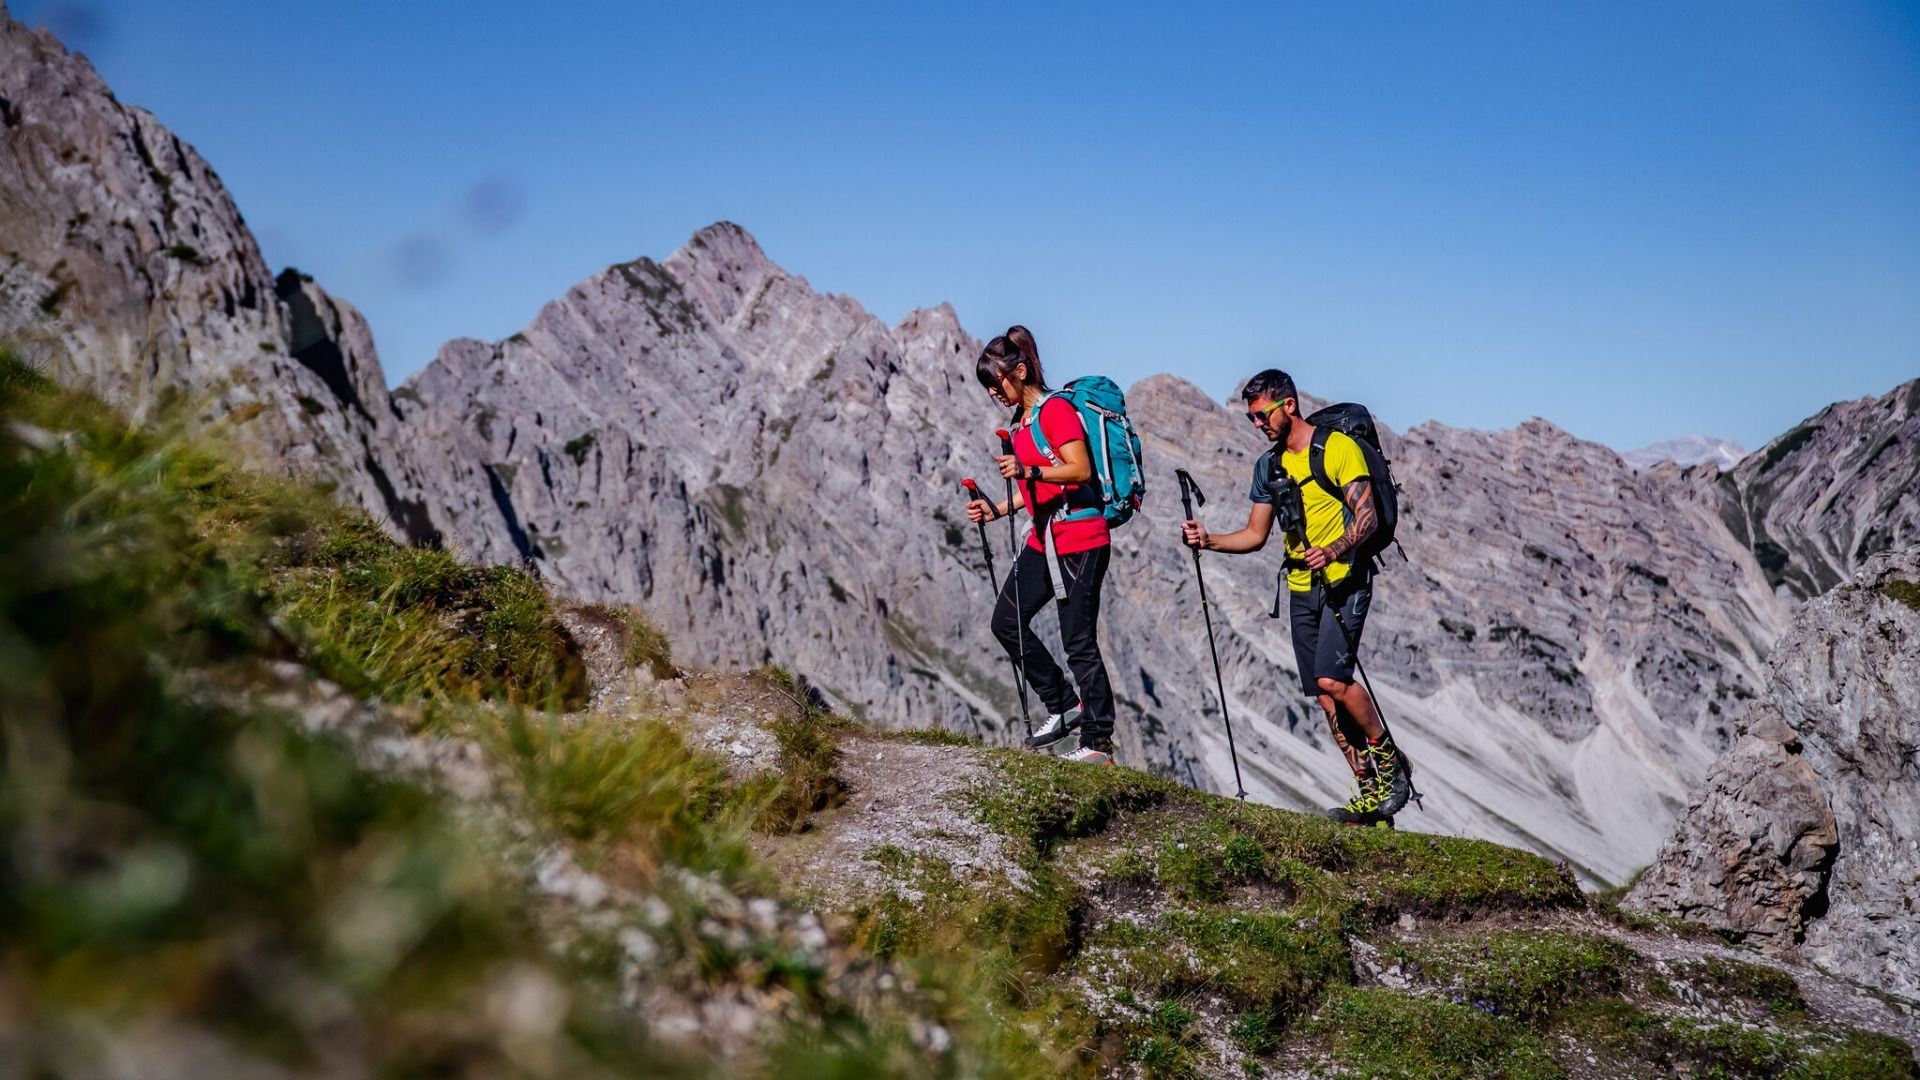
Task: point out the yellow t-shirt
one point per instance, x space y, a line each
1326 512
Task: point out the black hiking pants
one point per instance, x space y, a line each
1079 621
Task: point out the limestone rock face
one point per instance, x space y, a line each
1839 487
126 269
1804 837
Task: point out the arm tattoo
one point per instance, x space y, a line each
1359 496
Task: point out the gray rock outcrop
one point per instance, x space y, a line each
1806 839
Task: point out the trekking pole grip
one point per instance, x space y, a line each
974 492
1189 492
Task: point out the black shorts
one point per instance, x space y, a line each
1319 648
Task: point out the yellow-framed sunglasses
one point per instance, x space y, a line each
1256 416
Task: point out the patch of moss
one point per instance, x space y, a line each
1277 965
1450 876
1526 973
1767 988
1906 592
930 737
1857 1055
1386 1035
1644 1043
1043 800
1388 872
1199 860
1258 1031
1011 935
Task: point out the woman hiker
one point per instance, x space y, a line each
1009 367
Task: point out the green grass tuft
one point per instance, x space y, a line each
1767 988
400 622
806 777
1043 801
1525 973
647 647
1391 1036
641 789
1277 965
1640 1042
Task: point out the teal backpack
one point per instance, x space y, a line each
1112 443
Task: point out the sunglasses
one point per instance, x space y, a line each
1259 416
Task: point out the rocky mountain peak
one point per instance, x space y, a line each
1687 451
723 268
1815 503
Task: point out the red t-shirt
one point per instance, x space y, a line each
1060 421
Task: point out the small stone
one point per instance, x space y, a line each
655 912
639 946
813 936
765 914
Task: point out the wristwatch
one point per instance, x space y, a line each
1033 474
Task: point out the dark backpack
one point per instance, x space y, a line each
1355 422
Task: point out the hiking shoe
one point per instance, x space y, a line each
1374 819
1092 755
1364 808
1393 777
1057 727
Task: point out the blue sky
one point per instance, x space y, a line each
1636 220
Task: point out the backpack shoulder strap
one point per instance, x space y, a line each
1317 464
1040 442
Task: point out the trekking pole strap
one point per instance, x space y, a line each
1053 558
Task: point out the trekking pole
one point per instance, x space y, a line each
1019 609
974 492
1189 493
1320 585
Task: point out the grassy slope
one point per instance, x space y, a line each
172 863
1179 933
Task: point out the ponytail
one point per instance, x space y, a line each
1007 352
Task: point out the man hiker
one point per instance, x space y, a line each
1329 590
1057 490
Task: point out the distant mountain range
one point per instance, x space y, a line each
773 474
1688 450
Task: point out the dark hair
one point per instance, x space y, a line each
1272 384
1006 352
